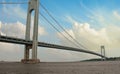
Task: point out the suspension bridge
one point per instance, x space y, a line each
33 5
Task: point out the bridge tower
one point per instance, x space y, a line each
33 6
103 52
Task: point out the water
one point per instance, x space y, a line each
111 67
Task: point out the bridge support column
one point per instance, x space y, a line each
33 6
26 52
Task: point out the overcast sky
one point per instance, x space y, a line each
91 22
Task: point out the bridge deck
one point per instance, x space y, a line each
42 44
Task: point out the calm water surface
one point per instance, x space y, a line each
111 67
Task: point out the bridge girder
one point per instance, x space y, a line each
42 44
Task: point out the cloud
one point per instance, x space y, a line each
0 24
13 29
14 11
116 14
18 29
0 29
93 38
